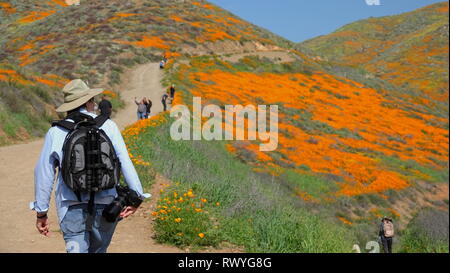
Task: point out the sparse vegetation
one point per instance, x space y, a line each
427 232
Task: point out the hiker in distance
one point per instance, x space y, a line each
89 199
164 101
386 234
149 104
105 106
142 108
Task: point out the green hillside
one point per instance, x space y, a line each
409 50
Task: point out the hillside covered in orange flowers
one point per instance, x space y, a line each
409 50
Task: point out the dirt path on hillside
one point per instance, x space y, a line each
17 230
275 56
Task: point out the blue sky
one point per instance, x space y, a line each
299 20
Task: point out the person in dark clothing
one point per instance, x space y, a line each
105 106
172 91
386 234
146 107
164 101
149 107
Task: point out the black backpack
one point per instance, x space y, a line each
89 163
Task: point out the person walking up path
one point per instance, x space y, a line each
172 91
164 101
141 108
386 234
81 198
149 108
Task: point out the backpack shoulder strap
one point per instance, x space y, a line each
101 119
76 117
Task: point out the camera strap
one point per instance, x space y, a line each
91 203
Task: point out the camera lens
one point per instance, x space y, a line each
112 211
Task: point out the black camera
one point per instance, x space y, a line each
125 197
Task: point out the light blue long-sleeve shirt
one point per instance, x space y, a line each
52 154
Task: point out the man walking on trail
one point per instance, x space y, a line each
105 106
164 101
80 212
386 234
142 108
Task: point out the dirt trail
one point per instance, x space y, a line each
141 81
17 230
277 56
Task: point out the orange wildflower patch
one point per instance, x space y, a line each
218 35
345 221
35 16
47 81
147 42
7 8
58 79
196 24
61 3
123 14
443 9
341 105
12 75
206 6
109 93
26 59
234 20
176 18
139 126
171 54
26 47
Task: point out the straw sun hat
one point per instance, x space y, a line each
77 93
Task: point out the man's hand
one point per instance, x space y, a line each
43 226
127 212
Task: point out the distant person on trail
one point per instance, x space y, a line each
386 234
162 64
172 91
86 186
105 106
149 108
164 101
142 109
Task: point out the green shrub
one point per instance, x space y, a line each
427 233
